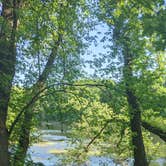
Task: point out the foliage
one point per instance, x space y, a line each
95 110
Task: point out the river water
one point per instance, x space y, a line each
52 141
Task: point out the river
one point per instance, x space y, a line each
52 143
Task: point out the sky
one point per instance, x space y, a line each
95 48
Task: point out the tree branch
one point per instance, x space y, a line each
155 130
96 136
36 97
32 101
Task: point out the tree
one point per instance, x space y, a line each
9 23
127 22
64 35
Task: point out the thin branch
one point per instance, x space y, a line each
77 85
122 132
96 136
86 149
36 97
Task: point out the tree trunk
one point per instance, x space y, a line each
4 156
134 111
5 87
7 71
135 124
24 139
6 77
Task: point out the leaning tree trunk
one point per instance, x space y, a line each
24 138
134 112
7 70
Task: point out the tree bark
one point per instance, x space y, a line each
7 70
5 88
135 124
24 139
134 112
